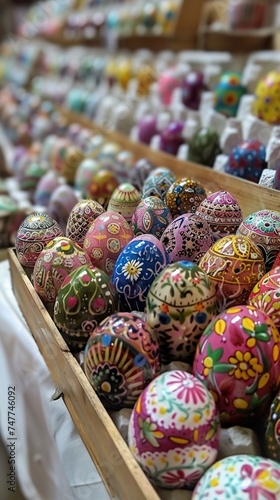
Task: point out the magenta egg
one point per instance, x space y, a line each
62 200
265 295
238 359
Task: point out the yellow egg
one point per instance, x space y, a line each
266 105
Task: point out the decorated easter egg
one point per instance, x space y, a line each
222 212
238 359
124 200
85 298
171 137
168 81
267 98
204 146
247 160
188 237
145 76
108 155
228 93
243 477
263 228
184 196
235 264
180 304
33 174
167 13
45 187
136 267
149 15
80 219
151 216
103 184
173 430
147 128
35 232
57 260
73 157
158 182
139 172
62 201
265 295
276 263
84 173
272 433
107 235
121 359
192 87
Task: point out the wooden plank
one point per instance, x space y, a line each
250 196
118 469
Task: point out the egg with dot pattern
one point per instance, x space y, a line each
85 298
228 93
184 196
121 359
247 160
80 219
151 216
266 295
266 105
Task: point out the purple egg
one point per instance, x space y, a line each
61 203
147 128
171 137
192 88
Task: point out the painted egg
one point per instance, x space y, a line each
147 128
137 266
222 212
121 359
168 81
84 173
158 182
85 298
32 175
106 238
228 93
173 430
171 137
236 265
59 152
266 105
145 76
265 296
57 260
139 173
108 155
184 196
188 237
263 228
124 164
180 304
124 200
238 359
80 219
272 433
204 147
192 87
35 232
151 216
45 187
103 184
276 263
62 201
247 160
243 477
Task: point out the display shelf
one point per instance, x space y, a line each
117 467
250 196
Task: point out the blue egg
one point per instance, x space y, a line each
137 266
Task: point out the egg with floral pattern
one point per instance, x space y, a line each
228 93
121 359
137 266
235 265
247 160
272 431
173 430
188 237
85 298
151 216
238 359
158 182
266 295
267 98
222 212
34 233
107 236
263 228
80 219
180 304
56 261
243 477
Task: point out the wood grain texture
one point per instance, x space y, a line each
250 196
117 467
